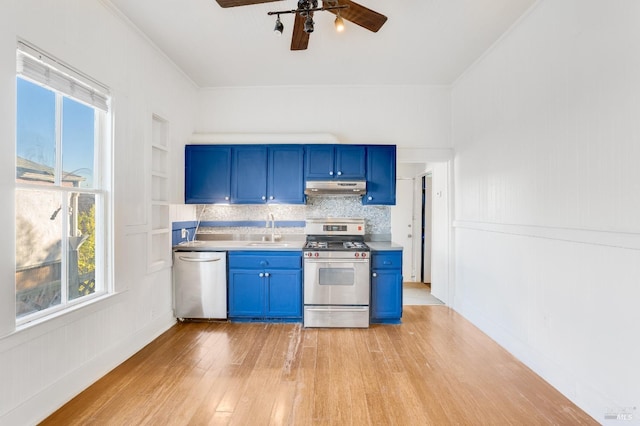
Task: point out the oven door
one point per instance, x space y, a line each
336 282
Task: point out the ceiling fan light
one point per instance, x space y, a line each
339 23
279 27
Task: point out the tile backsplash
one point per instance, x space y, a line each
378 218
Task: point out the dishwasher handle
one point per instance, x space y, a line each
196 259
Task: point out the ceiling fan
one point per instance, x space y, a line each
303 24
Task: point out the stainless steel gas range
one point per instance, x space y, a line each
336 273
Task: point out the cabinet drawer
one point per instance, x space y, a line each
387 260
253 260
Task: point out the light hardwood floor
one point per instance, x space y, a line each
434 369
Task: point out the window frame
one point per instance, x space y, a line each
100 189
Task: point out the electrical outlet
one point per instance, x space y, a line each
183 233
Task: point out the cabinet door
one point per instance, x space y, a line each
386 294
249 174
350 162
286 184
319 160
207 174
246 293
284 294
381 175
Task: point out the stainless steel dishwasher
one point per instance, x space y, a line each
199 284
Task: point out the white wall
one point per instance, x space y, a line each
546 133
407 116
44 365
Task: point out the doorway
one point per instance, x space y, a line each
425 228
402 228
431 236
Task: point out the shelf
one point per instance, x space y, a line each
159 189
160 250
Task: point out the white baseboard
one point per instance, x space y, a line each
41 405
587 398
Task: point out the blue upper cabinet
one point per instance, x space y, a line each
207 174
350 162
267 174
381 175
244 174
258 174
285 182
335 162
249 174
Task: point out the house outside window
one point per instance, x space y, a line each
61 196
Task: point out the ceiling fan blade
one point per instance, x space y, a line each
234 3
358 14
300 38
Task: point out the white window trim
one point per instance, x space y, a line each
103 151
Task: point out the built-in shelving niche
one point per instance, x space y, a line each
159 251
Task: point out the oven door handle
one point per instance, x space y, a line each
337 309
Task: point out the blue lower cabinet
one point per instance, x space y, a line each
386 288
284 294
265 286
246 289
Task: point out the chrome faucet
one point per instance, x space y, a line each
272 219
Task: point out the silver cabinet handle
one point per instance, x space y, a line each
339 173
271 197
261 275
369 198
263 198
330 173
266 274
195 259
226 198
375 274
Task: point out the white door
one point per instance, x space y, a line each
402 225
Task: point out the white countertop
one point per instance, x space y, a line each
235 245
383 246
228 245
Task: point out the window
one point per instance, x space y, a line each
61 196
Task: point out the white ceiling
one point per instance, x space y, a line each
423 41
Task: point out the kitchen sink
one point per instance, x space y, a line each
191 243
268 244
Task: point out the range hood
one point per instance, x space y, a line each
335 187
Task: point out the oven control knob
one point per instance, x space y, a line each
316 254
357 254
364 254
